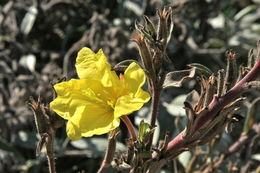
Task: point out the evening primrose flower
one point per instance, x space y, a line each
94 103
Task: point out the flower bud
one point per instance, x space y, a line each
144 53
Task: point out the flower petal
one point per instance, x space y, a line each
90 65
127 104
73 131
85 104
134 77
74 95
92 122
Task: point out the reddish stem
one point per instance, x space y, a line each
111 147
217 104
129 126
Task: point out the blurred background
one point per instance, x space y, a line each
39 40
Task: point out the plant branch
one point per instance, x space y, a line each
111 147
218 103
50 155
130 127
156 92
178 143
243 139
234 148
51 163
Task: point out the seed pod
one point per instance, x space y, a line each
220 86
162 27
200 106
39 116
169 23
145 54
242 72
251 60
210 90
231 70
190 117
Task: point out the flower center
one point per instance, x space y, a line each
111 103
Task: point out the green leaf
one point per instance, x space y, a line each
202 69
144 128
149 26
145 114
121 66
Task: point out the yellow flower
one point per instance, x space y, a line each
94 103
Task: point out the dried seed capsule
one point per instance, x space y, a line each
144 53
162 27
221 79
210 90
251 60
41 121
231 70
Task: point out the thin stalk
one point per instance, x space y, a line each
156 92
51 163
155 102
111 147
50 155
130 127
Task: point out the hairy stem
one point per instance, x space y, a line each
51 163
50 155
111 147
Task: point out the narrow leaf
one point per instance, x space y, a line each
244 11
121 66
202 69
